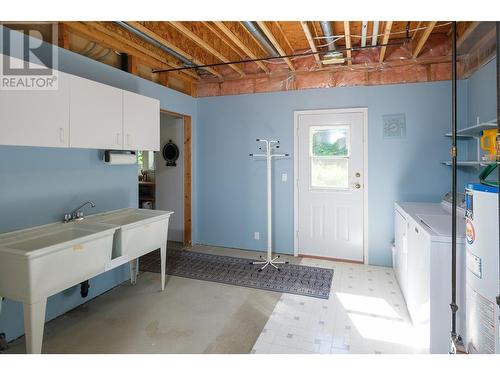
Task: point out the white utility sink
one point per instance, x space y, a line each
42 261
45 260
141 231
38 262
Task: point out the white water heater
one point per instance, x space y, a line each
482 270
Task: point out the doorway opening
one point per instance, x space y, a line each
165 176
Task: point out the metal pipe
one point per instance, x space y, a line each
498 131
326 27
154 42
261 37
374 33
453 304
321 53
364 30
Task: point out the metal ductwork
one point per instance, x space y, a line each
150 40
326 27
261 37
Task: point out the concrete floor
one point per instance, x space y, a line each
191 316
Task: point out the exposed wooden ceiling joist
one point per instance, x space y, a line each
276 39
423 38
415 33
284 36
385 39
310 40
473 26
125 37
63 36
237 33
207 43
214 29
153 59
347 33
154 33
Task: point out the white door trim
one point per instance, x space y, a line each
296 115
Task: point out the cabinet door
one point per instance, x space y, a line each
36 118
400 243
95 115
418 292
141 122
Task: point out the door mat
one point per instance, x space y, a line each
292 278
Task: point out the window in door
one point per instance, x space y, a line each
329 156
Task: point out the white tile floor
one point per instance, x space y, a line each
365 313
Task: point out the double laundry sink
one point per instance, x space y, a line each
38 262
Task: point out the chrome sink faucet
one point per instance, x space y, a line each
77 214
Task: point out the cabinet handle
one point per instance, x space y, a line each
118 138
416 229
61 134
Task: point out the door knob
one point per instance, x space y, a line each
358 174
357 185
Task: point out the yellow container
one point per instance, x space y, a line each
489 143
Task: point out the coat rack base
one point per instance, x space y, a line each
268 261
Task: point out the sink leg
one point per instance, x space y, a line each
34 321
163 256
134 270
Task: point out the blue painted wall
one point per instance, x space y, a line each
482 91
480 104
37 185
231 203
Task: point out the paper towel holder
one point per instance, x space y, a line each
114 157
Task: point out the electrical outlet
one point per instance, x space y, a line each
256 236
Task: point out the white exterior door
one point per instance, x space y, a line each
330 157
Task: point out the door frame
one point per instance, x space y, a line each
296 114
187 178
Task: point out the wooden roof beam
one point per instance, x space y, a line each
112 30
416 30
385 39
310 40
425 35
154 60
214 29
273 35
206 46
466 34
347 34
237 34
152 34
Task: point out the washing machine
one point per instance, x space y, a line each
482 274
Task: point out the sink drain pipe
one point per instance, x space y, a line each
84 288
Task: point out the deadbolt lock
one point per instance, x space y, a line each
358 174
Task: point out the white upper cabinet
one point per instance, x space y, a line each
141 122
80 113
36 117
95 115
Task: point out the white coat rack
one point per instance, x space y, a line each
269 147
